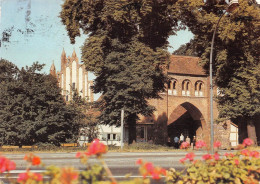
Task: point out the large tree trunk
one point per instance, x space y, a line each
251 130
131 122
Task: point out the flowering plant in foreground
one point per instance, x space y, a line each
240 167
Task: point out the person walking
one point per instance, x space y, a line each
181 139
188 140
176 142
193 142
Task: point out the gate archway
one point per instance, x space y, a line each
186 119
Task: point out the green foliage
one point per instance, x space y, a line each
32 109
236 51
92 174
126 49
88 116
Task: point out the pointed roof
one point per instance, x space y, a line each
74 53
63 53
53 66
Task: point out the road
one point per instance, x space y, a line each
119 163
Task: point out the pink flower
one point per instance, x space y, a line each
95 148
248 142
245 152
200 144
207 157
24 177
6 164
217 144
183 160
147 169
185 145
236 161
148 166
229 155
190 156
254 154
216 156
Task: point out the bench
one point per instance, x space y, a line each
29 147
69 144
9 147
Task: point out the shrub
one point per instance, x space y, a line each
238 168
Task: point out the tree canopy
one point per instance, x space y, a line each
32 109
126 50
236 53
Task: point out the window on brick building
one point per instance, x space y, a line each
186 85
199 88
172 87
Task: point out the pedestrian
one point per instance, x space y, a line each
193 142
176 142
188 140
181 138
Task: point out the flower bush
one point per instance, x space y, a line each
240 167
237 168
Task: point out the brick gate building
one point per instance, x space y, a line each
185 106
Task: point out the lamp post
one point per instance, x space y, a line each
232 6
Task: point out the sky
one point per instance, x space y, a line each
35 33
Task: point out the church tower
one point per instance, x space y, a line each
73 76
53 70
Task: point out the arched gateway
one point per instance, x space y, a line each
186 119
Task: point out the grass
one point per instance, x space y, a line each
135 147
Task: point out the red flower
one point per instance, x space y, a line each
248 142
68 175
216 156
35 160
236 161
24 177
200 144
185 145
207 157
139 162
245 152
217 144
190 156
6 164
254 154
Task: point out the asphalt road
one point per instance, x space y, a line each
119 163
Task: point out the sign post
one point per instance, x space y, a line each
122 129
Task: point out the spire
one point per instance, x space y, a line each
63 53
53 69
74 54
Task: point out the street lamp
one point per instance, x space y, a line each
232 6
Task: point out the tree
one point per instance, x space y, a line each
32 109
126 49
236 53
189 49
88 118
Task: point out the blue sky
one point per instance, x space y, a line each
49 36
